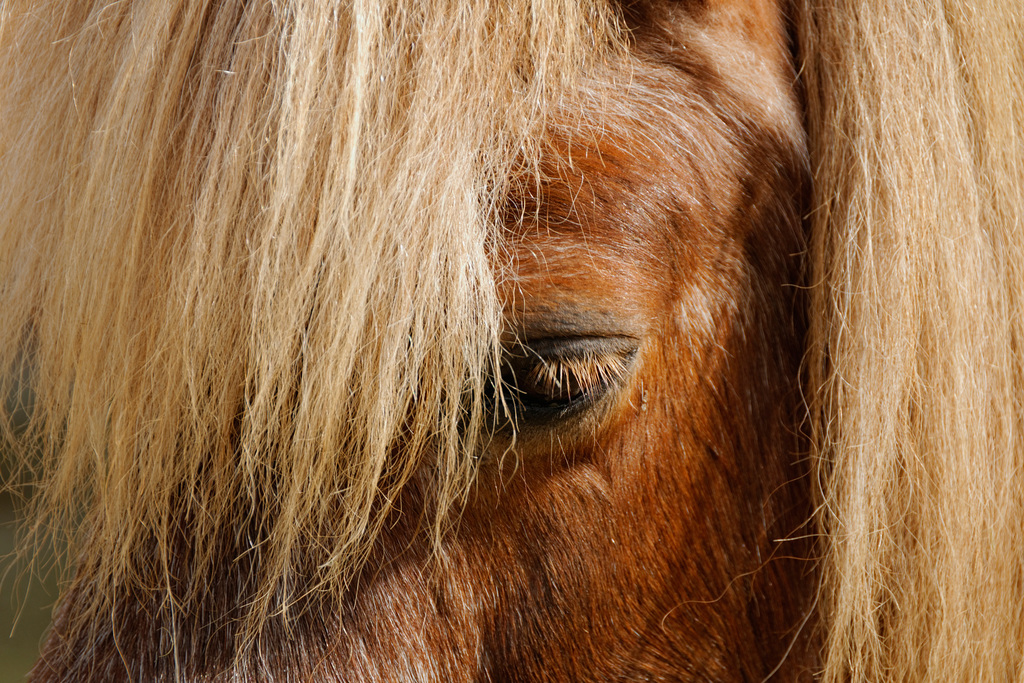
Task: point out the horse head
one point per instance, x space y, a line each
538 340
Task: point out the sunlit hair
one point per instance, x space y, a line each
243 256
916 123
245 268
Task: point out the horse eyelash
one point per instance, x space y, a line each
590 373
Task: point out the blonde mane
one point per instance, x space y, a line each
245 263
916 125
243 254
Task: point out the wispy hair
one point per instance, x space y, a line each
244 257
916 118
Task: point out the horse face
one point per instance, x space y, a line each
626 517
626 524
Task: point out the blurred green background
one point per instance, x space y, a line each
26 599
25 602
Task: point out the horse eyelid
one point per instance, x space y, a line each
585 374
568 372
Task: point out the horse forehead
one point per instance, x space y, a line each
620 216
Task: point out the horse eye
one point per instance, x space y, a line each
553 378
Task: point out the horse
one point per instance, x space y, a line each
533 340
